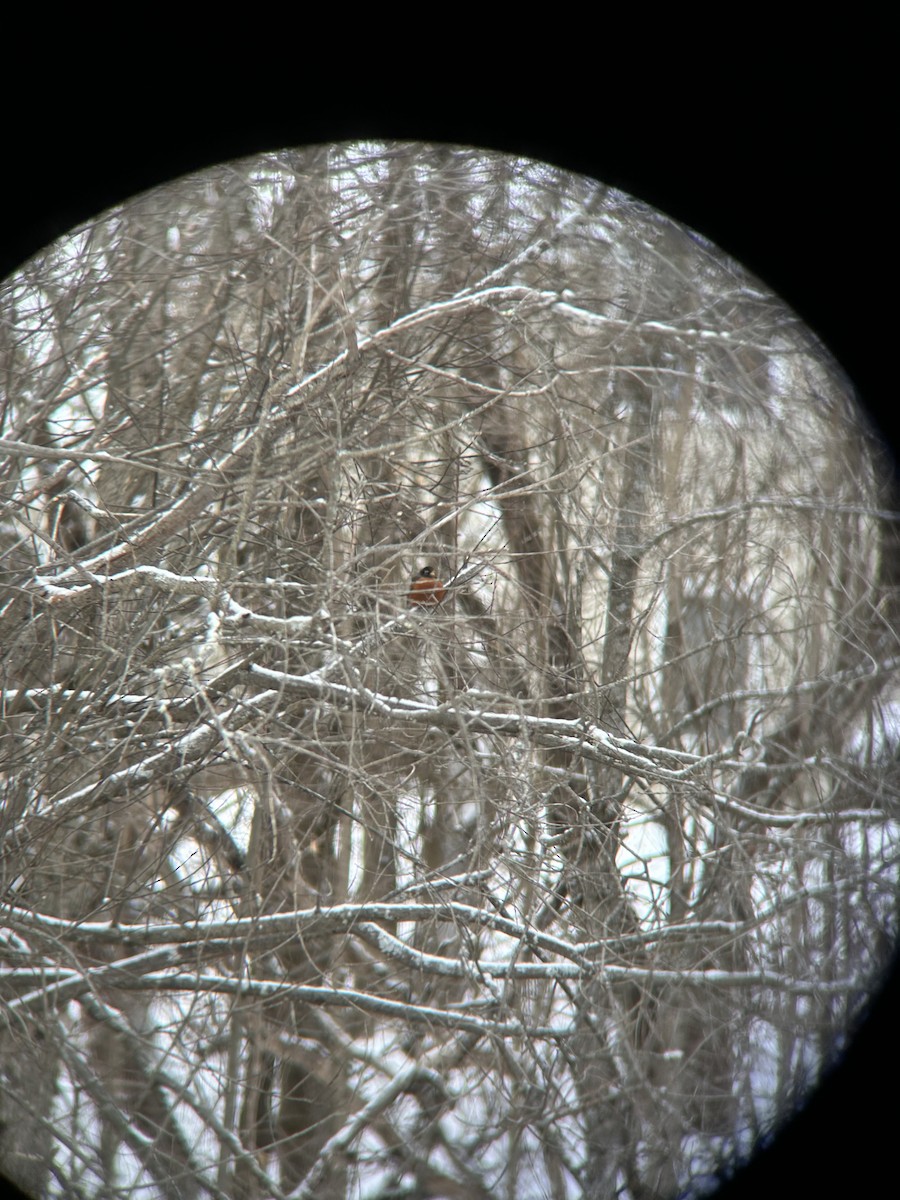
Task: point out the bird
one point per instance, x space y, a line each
426 589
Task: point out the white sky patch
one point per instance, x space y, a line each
644 864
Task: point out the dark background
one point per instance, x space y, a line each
784 167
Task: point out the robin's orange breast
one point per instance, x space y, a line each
426 588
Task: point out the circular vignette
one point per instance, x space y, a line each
644 417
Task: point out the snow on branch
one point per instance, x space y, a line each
184 585
582 737
61 986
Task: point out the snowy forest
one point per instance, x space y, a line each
568 886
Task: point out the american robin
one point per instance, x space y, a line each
426 588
